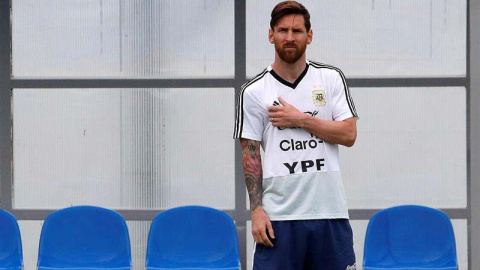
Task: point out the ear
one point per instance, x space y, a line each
270 35
309 36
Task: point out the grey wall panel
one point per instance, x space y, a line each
474 130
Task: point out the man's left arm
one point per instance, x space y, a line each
336 132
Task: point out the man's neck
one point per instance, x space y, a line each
289 71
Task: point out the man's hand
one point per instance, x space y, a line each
335 132
261 225
285 116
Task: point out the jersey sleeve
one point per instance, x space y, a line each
342 102
249 120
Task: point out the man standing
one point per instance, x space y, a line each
298 111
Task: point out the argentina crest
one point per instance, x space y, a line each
319 97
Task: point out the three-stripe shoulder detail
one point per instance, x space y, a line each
254 79
237 133
350 103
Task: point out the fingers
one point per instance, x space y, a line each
271 233
283 102
265 240
274 112
276 122
278 108
261 238
272 109
264 236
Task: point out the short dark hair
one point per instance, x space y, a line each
288 8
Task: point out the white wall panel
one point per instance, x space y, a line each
123 148
373 38
250 245
411 148
138 231
122 38
30 231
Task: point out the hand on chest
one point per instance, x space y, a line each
311 100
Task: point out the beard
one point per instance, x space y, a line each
288 55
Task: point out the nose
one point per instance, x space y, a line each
289 36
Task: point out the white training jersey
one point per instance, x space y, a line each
301 173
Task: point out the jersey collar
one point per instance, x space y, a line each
291 85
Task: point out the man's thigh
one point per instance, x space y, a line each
308 244
331 246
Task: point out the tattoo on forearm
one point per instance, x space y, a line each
251 147
252 168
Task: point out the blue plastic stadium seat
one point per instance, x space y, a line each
192 237
410 237
11 256
84 237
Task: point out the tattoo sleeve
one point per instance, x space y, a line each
252 169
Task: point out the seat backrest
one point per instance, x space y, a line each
410 236
192 237
11 256
84 237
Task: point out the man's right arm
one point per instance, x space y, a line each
252 169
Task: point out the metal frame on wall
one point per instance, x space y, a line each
241 215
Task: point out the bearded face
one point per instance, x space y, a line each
290 52
290 38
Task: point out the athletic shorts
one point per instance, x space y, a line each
325 244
